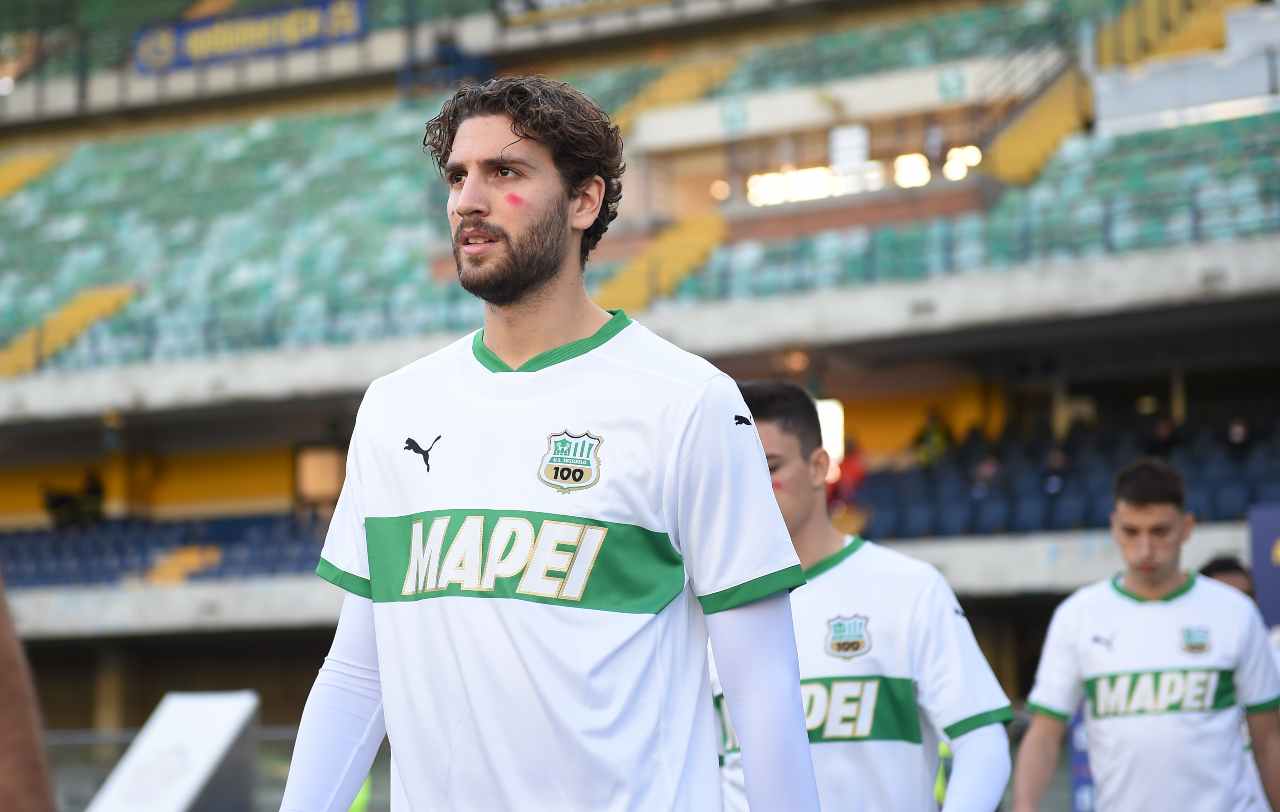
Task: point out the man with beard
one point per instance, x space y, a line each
528 617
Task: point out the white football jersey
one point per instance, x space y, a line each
888 663
541 546
1165 684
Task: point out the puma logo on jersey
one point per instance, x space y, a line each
739 420
553 562
1160 692
411 444
1105 642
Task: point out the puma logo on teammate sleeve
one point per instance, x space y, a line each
411 444
739 420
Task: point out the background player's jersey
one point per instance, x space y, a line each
1163 682
887 663
540 547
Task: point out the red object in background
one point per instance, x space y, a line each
852 471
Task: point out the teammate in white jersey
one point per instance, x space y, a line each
542 524
888 663
1231 571
1166 663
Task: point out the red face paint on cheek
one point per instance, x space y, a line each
514 199
776 484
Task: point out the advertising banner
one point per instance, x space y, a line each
1264 530
191 43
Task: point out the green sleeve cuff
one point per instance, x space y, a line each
753 590
352 583
999 716
1050 712
1263 707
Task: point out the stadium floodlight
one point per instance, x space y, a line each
955 170
831 421
911 171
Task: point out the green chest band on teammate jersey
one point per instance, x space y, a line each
1140 693
540 557
850 709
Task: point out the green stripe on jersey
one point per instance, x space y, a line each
1050 712
1141 693
1263 707
848 709
753 590
352 583
991 717
840 709
540 557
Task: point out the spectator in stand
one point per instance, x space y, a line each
853 469
1239 439
934 439
1054 472
1164 438
986 477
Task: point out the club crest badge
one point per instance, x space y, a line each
572 461
847 637
1195 639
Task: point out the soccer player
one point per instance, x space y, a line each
1166 663
1231 571
888 663
542 524
24 775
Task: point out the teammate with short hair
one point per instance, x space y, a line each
1166 664
888 663
541 525
1231 571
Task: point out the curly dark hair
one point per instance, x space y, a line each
584 142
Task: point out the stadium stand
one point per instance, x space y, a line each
1025 496
161 552
944 499
867 49
1099 195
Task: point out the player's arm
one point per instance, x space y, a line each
1264 734
740 563
1037 760
755 652
980 768
342 725
961 696
24 776
1056 695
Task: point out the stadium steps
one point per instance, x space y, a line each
20 170
675 254
1153 29
1024 145
62 327
178 565
683 83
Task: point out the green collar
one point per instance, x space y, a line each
1177 592
490 361
835 558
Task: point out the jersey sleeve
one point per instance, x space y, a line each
1059 685
344 559
956 687
727 524
1257 680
